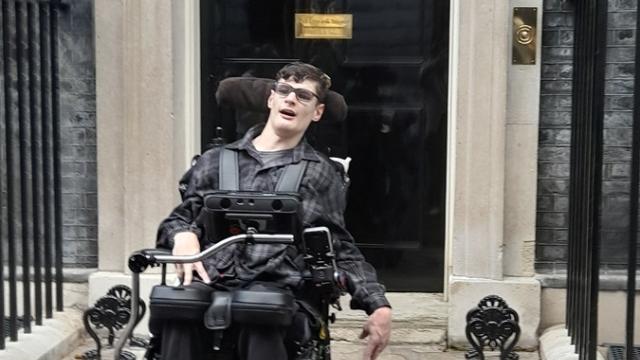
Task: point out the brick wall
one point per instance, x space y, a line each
618 132
555 133
78 138
78 122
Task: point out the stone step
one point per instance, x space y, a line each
429 307
432 338
419 319
350 351
419 330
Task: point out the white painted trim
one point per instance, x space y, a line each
521 155
186 79
194 78
451 142
476 139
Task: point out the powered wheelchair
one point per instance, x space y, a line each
233 217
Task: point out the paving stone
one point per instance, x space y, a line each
349 351
341 350
433 338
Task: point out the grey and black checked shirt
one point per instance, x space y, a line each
323 200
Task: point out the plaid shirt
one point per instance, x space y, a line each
322 190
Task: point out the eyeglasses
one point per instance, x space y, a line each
303 95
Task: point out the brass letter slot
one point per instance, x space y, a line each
525 23
323 26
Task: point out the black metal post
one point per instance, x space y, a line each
47 153
36 156
633 206
26 200
578 189
13 185
573 274
575 190
57 181
3 162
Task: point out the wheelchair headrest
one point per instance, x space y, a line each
250 94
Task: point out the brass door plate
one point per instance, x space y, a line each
323 26
525 24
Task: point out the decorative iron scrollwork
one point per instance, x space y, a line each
111 312
492 324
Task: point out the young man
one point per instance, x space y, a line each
295 102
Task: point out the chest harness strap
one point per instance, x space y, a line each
229 175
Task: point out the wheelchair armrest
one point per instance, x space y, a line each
155 251
141 259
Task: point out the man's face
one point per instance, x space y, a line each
291 114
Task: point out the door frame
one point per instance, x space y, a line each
483 125
493 111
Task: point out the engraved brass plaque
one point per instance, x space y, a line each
323 26
525 23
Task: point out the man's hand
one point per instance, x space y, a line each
186 243
378 329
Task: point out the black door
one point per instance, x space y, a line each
393 75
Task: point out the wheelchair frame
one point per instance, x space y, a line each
234 92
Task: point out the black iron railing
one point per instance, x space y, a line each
586 191
30 205
633 206
586 174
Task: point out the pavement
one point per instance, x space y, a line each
340 351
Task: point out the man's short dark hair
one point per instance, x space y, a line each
299 72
